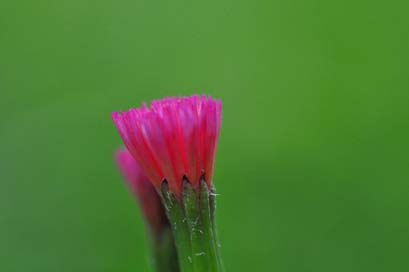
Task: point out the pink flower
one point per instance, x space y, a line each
146 194
175 138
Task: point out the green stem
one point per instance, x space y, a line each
164 252
212 198
180 230
194 230
209 239
191 205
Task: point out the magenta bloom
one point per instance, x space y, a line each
144 191
176 137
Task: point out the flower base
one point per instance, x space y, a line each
193 222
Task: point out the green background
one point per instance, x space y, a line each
313 163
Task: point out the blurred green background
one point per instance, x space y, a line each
313 163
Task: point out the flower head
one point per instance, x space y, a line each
173 139
144 191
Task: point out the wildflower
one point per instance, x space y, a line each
175 138
174 143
